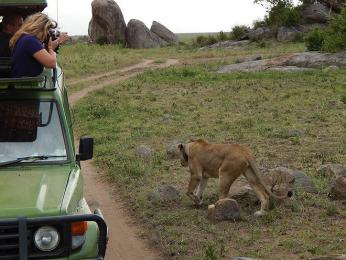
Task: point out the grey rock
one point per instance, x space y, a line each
226 45
330 257
143 152
138 36
302 181
167 118
296 62
164 33
295 133
289 69
243 258
316 59
286 34
338 188
316 12
248 58
331 68
260 34
171 149
332 171
164 193
107 22
224 209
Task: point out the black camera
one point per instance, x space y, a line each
53 34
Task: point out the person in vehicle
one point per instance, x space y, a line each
10 25
29 55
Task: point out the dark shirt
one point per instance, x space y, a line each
23 62
5 44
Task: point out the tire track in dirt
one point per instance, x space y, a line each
124 242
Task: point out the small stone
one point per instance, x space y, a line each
338 189
143 152
224 209
172 151
302 181
164 193
331 68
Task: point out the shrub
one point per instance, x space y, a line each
222 36
204 41
335 38
315 39
238 32
331 39
283 14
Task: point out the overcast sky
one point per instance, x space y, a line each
180 16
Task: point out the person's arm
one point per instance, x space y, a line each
46 58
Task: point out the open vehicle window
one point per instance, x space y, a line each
30 128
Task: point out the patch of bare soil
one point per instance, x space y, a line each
124 241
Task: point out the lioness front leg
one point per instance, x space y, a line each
193 183
199 191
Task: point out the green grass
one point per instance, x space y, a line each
260 110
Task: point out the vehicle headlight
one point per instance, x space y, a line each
46 238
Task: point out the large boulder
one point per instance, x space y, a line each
260 34
230 44
164 33
286 34
107 24
332 171
316 12
138 36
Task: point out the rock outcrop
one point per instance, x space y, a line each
316 12
164 33
138 36
260 34
286 34
107 24
295 62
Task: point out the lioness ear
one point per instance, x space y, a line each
181 147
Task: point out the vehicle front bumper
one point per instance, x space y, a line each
25 226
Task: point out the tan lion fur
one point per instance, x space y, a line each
224 161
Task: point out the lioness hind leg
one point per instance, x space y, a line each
260 191
225 182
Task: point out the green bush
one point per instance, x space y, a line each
222 36
335 38
315 39
283 14
202 41
238 32
331 39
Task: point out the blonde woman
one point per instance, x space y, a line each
28 53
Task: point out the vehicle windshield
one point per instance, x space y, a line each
30 128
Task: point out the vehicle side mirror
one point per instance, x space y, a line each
86 148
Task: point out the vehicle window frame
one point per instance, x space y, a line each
63 129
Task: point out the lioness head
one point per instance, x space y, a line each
184 158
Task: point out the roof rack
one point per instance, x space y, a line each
27 83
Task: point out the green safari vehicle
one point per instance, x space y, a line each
43 212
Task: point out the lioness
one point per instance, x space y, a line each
226 162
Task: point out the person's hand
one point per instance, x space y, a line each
63 37
60 40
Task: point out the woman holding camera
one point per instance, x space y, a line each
28 53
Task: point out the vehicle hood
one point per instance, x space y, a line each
32 191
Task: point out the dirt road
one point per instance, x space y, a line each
124 242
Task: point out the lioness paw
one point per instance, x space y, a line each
260 213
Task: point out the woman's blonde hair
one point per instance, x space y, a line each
37 25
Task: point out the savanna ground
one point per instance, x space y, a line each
259 110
